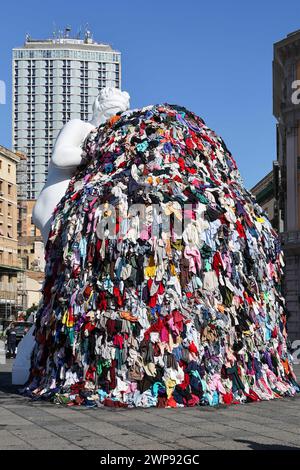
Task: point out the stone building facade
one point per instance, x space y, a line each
10 268
286 109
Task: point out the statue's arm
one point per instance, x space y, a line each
68 146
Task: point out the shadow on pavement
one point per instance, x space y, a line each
6 385
258 446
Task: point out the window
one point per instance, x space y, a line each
32 234
9 210
1 186
0 164
9 168
11 284
9 189
1 207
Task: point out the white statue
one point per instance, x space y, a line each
66 156
67 152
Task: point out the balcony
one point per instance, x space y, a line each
10 266
8 295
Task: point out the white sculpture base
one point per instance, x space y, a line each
2 352
21 365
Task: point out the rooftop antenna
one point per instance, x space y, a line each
79 32
67 31
87 34
54 32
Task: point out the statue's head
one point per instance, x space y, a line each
109 102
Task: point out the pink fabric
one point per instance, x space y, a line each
194 257
216 384
227 262
164 335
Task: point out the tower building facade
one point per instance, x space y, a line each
55 80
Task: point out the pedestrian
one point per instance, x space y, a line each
11 334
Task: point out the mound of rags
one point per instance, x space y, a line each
163 275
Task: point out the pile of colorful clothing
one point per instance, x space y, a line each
163 275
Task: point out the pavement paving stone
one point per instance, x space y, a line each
39 425
192 444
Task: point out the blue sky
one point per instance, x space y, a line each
214 57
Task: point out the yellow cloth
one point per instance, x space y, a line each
173 269
150 270
170 385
